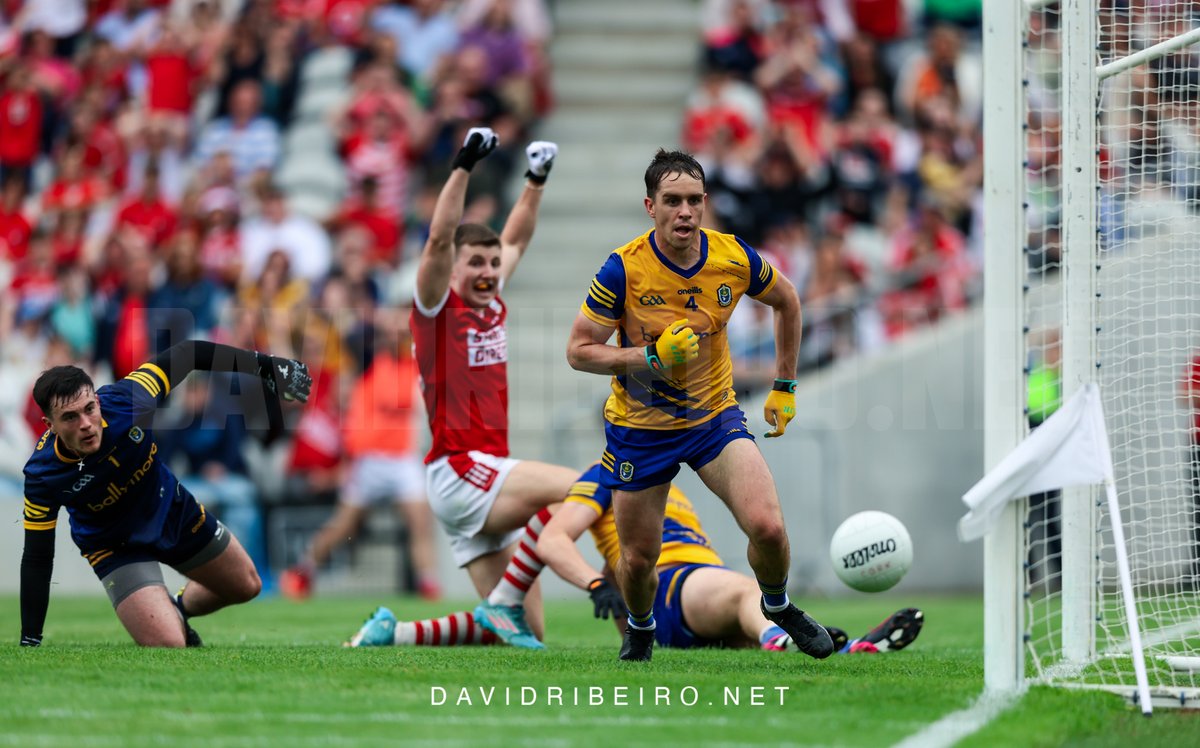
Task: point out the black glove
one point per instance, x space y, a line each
30 641
606 598
285 377
480 141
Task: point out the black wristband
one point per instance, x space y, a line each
652 359
785 385
535 178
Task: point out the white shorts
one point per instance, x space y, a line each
462 489
381 477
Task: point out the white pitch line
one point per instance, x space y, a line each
957 725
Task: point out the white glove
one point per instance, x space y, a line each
540 154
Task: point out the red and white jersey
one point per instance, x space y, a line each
462 354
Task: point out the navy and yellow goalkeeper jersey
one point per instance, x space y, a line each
683 541
121 492
640 292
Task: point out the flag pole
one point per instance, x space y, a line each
1135 635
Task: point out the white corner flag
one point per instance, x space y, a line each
1069 449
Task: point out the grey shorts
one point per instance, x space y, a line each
130 577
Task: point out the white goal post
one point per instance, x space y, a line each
1092 274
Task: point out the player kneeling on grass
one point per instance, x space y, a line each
128 512
701 602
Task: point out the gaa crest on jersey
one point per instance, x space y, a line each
626 471
136 435
724 294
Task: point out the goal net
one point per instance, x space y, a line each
1111 294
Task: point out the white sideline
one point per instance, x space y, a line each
957 725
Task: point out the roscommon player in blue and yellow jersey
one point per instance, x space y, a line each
668 295
700 602
128 512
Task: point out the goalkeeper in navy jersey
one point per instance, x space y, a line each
128 512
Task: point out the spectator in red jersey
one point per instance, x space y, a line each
15 229
796 77
930 268
54 76
490 504
73 188
364 212
68 239
1189 392
220 237
103 152
123 337
171 74
381 151
21 121
149 213
724 108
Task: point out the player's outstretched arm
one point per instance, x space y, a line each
37 567
780 407
437 258
286 378
522 220
556 546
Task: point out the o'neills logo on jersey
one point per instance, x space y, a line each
488 347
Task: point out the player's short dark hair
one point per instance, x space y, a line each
475 233
58 385
671 162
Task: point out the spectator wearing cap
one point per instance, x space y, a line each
251 139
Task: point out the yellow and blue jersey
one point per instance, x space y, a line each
115 494
684 540
640 292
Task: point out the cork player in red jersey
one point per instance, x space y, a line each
491 505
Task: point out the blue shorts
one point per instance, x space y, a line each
642 458
187 532
670 628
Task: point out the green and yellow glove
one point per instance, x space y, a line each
781 406
676 346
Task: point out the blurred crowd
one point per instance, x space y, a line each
843 139
155 185
145 148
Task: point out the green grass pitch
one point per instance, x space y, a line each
273 674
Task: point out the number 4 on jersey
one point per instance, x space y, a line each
691 303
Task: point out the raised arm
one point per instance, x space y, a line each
437 258
518 229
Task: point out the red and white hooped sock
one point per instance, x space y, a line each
452 630
524 567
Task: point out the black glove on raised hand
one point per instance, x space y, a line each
607 599
480 141
285 377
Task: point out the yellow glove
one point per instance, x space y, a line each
781 406
677 345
